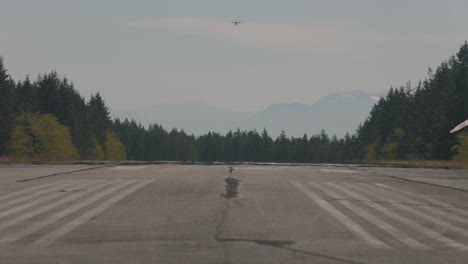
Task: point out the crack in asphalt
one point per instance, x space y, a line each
263 242
286 245
421 182
278 244
59 173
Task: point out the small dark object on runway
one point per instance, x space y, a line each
232 185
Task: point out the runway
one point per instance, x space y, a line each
283 214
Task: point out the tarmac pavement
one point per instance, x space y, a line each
283 214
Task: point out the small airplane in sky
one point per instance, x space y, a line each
236 23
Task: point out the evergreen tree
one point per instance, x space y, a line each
408 123
266 147
7 104
98 118
281 148
26 96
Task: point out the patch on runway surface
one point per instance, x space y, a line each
50 204
403 219
131 168
337 171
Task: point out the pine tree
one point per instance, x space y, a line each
6 108
98 118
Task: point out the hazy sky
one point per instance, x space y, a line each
142 53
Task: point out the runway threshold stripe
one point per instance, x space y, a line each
28 190
430 200
70 226
38 201
96 185
416 226
394 232
61 214
414 210
33 195
425 206
343 219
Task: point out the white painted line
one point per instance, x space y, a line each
416 226
389 229
391 197
61 214
96 185
39 200
346 221
438 211
29 190
52 187
68 227
430 200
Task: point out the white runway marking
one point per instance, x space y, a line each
29 196
432 209
37 201
29 190
49 238
397 234
416 226
430 200
96 185
391 197
346 221
61 214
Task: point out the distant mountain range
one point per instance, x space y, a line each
337 113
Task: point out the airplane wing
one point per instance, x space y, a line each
459 127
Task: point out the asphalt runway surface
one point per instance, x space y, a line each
283 214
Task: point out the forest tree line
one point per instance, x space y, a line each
156 143
413 123
48 119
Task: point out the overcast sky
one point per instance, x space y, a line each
143 53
